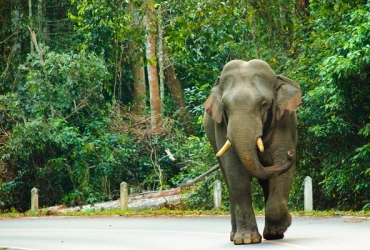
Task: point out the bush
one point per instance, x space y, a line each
334 73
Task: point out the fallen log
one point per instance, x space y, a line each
155 194
186 182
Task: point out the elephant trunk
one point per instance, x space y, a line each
247 151
256 169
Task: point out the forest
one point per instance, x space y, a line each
96 92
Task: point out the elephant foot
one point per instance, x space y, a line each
232 234
276 230
245 237
273 235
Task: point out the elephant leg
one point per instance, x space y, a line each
233 223
243 221
277 216
232 214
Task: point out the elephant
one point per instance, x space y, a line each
251 123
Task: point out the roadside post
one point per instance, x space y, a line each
123 196
217 194
308 197
34 199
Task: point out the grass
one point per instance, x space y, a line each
167 212
333 213
114 212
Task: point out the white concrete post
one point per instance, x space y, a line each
217 194
34 199
308 196
123 196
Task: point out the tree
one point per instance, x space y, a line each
152 65
139 95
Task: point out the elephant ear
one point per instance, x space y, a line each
289 96
213 105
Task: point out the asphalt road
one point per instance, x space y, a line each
204 232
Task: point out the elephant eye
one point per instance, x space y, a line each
223 105
264 104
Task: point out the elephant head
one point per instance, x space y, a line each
249 99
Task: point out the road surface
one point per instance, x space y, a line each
203 232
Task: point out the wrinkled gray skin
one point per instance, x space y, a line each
251 101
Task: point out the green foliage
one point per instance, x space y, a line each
60 85
48 21
211 33
334 119
102 23
196 157
55 94
114 29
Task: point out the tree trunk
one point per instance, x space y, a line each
30 24
39 20
176 91
139 87
303 6
173 83
152 67
160 65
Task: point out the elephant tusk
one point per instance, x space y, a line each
224 149
260 145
